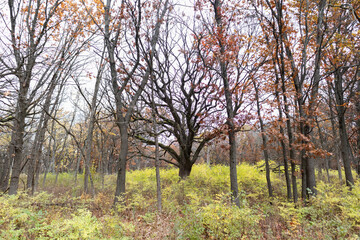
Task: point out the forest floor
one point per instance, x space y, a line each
196 208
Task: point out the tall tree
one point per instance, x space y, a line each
91 125
231 61
186 99
342 63
301 66
122 79
60 69
32 26
264 139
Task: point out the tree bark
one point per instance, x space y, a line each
334 133
265 149
184 170
121 176
18 138
157 156
88 142
344 142
322 142
217 4
5 172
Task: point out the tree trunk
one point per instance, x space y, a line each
264 143
157 166
322 143
346 153
282 143
303 168
78 160
310 167
208 160
184 170
36 153
88 142
157 156
18 140
5 171
281 62
47 162
229 108
345 150
334 133
233 171
291 147
121 176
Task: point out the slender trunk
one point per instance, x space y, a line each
157 166
45 175
88 142
293 179
36 153
48 161
334 133
282 143
77 166
327 166
346 153
57 176
319 163
25 59
157 156
322 143
291 147
310 162
303 169
264 143
208 161
53 155
103 169
229 107
5 172
281 49
345 150
233 171
285 159
310 166
35 184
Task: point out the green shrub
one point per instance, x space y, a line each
82 225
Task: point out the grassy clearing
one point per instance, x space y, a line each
198 208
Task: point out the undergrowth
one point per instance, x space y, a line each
196 208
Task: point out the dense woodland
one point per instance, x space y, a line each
93 90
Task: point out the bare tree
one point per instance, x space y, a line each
27 44
185 103
125 79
